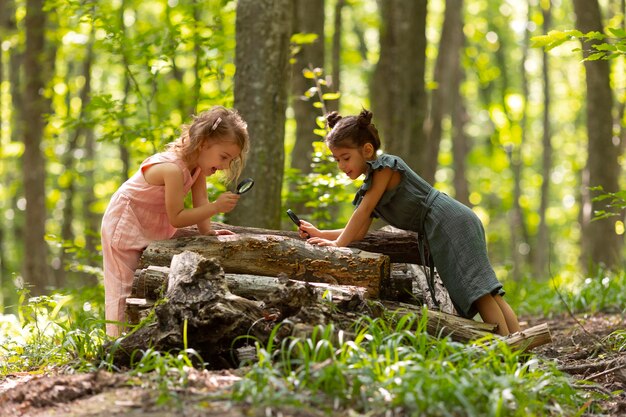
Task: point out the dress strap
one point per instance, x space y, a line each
428 265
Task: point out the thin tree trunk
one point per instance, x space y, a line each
335 85
516 225
445 73
461 143
124 153
542 247
35 266
309 18
600 243
398 94
263 28
197 65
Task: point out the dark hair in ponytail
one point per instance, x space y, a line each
352 131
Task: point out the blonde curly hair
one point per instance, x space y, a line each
214 125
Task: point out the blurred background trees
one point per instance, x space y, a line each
89 89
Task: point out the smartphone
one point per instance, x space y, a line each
295 219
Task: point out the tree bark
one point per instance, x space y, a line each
399 107
541 251
309 18
600 243
263 28
35 266
149 285
333 105
446 77
400 245
277 255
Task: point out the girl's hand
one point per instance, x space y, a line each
322 242
307 230
226 202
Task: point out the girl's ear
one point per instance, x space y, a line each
368 150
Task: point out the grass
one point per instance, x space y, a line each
381 367
604 291
393 364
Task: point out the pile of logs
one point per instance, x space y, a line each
222 293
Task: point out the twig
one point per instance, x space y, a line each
608 371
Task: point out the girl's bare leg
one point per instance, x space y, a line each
490 312
509 314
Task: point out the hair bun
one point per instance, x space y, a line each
364 118
332 118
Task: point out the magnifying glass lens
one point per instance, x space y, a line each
245 185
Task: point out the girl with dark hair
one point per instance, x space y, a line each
452 232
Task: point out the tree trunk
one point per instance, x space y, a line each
542 247
273 255
461 143
516 163
309 18
333 105
445 75
261 80
399 107
600 243
35 269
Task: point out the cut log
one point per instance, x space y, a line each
150 283
465 330
530 338
441 324
276 256
400 245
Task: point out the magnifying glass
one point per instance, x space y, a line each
245 185
295 219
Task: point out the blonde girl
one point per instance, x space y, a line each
150 205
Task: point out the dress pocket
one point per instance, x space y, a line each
128 232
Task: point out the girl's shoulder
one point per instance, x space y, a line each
387 161
161 157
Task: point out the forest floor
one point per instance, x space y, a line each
578 348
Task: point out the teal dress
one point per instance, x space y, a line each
454 234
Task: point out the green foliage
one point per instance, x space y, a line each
616 201
605 291
325 191
53 331
602 46
393 364
169 372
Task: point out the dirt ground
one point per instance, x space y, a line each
579 347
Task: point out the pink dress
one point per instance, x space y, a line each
135 217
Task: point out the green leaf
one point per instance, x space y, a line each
604 47
320 132
594 35
595 57
617 32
